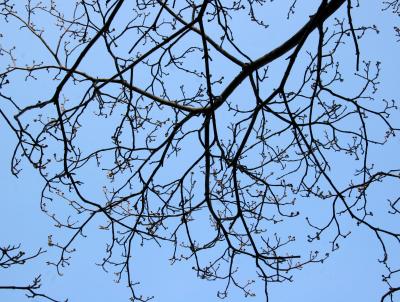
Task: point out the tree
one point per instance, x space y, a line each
160 122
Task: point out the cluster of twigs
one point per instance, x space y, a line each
12 256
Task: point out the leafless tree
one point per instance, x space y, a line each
157 118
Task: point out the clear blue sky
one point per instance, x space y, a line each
350 274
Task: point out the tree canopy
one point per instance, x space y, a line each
226 132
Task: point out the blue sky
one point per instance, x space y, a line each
350 274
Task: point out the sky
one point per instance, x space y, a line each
350 274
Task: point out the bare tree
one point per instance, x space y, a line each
160 120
